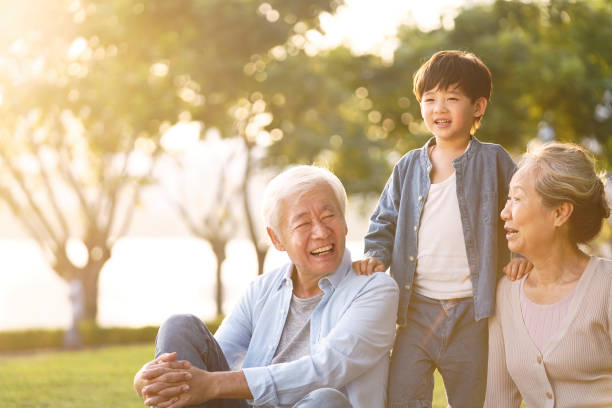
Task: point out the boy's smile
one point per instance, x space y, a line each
449 114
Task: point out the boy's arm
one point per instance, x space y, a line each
517 266
380 237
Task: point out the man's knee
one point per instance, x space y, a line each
182 328
324 397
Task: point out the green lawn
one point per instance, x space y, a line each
100 378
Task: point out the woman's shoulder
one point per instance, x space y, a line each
601 269
601 272
505 288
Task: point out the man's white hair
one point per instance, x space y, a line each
298 180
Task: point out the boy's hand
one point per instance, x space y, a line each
368 266
517 268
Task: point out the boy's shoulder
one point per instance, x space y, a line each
489 148
410 156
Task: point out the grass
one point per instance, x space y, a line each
98 378
90 378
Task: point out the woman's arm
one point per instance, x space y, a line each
501 390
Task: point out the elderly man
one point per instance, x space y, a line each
310 334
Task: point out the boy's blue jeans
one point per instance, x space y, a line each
191 339
439 334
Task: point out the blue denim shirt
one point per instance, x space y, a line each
483 174
351 333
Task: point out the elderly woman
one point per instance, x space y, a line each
550 341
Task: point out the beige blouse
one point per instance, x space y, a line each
575 367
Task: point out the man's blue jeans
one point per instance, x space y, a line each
192 341
439 334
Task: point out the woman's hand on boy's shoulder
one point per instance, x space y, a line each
368 266
517 268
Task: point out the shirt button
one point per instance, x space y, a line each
420 198
539 360
548 395
270 347
286 283
411 258
407 287
415 227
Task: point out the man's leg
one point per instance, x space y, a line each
324 397
464 363
192 341
413 357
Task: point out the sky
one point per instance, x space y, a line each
370 26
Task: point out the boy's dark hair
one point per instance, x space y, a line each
446 68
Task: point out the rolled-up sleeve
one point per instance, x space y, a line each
363 335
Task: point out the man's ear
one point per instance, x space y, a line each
562 213
480 106
275 241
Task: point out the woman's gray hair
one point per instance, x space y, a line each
565 172
298 180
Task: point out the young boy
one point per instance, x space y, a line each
437 226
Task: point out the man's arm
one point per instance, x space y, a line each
363 335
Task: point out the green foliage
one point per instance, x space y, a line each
551 65
91 335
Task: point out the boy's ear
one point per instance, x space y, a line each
480 105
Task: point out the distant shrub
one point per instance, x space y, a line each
91 335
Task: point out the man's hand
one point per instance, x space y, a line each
163 379
205 386
368 266
517 268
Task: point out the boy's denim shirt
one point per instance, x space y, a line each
483 174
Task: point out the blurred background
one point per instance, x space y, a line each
136 136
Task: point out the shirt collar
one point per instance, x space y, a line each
471 148
332 279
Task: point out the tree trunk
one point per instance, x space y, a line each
219 287
89 279
218 247
261 252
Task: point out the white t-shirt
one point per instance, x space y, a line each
442 270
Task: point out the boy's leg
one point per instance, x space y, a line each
192 341
413 358
463 364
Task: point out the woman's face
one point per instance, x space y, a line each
529 224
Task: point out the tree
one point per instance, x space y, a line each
121 73
209 214
551 65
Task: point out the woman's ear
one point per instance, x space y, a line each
562 213
275 241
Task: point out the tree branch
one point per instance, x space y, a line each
52 199
18 177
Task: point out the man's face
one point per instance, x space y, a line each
312 231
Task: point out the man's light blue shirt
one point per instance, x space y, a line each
351 333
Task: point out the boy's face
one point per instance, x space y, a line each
449 113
